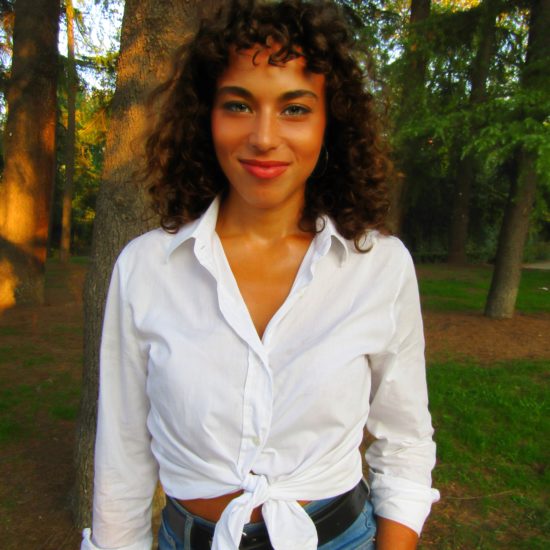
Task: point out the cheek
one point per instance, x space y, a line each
224 133
314 136
217 130
310 142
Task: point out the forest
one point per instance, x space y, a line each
463 92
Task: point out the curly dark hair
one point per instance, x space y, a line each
180 157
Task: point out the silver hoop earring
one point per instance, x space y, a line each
322 164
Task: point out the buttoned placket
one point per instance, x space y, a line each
258 387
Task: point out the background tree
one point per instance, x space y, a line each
533 111
151 30
91 81
29 152
70 136
411 97
466 170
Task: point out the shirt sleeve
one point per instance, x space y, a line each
126 471
403 454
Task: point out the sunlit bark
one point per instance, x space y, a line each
151 29
29 151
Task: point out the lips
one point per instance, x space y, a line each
264 169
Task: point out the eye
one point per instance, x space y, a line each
236 107
296 110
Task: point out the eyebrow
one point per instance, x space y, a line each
287 96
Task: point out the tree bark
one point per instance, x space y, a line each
29 150
151 30
413 92
465 179
72 80
501 300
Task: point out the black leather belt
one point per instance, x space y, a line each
330 521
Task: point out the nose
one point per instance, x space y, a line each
265 132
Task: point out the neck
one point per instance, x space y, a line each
237 218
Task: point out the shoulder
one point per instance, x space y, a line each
383 247
385 263
149 252
149 246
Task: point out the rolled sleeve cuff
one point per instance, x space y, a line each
87 543
401 500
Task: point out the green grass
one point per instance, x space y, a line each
20 405
61 330
11 331
24 356
80 260
17 407
493 432
444 288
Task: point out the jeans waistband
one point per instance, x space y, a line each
331 517
311 508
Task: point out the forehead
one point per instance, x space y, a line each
252 66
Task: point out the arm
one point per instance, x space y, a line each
125 469
391 535
403 454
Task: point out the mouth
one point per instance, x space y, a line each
264 169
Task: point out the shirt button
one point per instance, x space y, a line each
256 441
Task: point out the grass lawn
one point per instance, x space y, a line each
491 418
492 434
492 425
450 288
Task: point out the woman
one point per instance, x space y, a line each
248 342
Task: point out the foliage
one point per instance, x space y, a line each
96 67
92 116
431 128
6 44
437 125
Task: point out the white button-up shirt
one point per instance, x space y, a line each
191 394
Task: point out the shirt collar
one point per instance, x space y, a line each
200 229
327 235
204 227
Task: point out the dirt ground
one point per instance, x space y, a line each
37 473
473 335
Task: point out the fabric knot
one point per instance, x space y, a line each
288 525
258 486
229 529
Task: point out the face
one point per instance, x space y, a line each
268 125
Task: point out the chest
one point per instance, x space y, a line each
264 275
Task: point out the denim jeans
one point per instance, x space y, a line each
358 536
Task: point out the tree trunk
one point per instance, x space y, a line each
65 248
501 300
29 150
413 92
461 210
466 172
151 29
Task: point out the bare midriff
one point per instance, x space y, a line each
211 509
